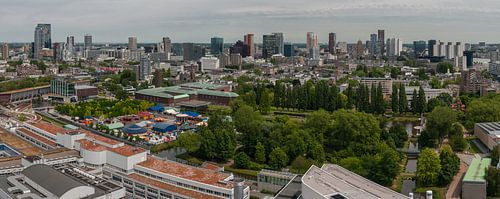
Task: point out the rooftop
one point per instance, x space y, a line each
203 85
492 128
332 179
188 172
173 91
50 179
51 128
37 137
25 89
477 170
168 187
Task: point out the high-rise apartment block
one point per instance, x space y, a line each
132 43
332 42
248 40
87 42
5 51
167 45
381 40
394 46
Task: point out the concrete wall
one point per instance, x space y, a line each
473 190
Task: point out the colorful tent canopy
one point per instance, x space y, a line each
163 127
134 129
191 113
157 108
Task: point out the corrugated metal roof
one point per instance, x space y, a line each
50 179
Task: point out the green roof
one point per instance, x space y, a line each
477 170
183 92
202 85
71 127
116 125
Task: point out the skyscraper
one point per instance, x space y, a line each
288 49
419 48
5 51
394 46
373 44
248 40
216 45
58 51
239 48
270 46
279 42
70 44
167 45
42 39
144 68
87 42
381 40
332 42
132 43
188 51
311 40
430 48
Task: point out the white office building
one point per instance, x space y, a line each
209 63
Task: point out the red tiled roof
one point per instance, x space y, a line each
127 150
51 128
171 188
100 138
37 137
91 146
211 166
188 172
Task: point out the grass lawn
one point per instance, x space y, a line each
437 192
50 120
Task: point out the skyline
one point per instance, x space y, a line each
114 21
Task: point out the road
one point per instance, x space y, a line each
455 187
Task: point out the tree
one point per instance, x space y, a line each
189 141
421 103
495 155
493 182
260 153
278 159
443 67
317 153
395 99
241 160
414 101
450 164
441 120
484 109
398 134
403 102
384 167
355 165
428 168
265 103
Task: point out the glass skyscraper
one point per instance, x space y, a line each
42 39
216 45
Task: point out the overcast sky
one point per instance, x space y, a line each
198 20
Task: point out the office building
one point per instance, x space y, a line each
419 48
332 42
394 46
373 44
167 45
430 48
488 133
342 47
314 53
42 39
381 40
249 41
216 45
270 46
332 181
279 42
132 43
430 93
188 51
58 51
374 81
288 50
474 181
5 51
87 42
224 60
470 58
209 63
494 68
235 59
472 81
239 48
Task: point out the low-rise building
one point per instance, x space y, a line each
488 133
474 181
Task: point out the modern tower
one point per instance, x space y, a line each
132 43
5 51
419 48
373 45
42 39
279 42
70 43
288 49
381 40
270 46
332 41
216 45
167 45
311 40
430 47
58 51
248 40
87 42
